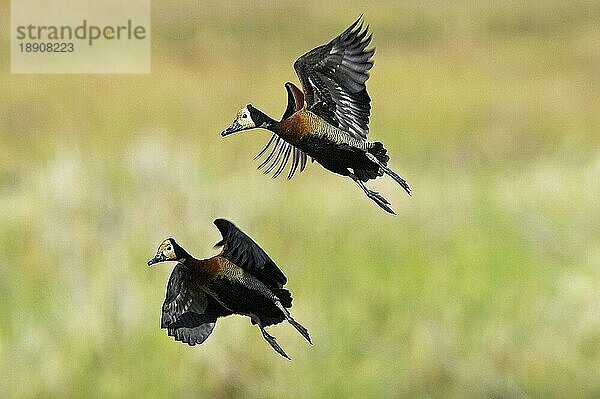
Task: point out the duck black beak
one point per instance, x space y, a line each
235 127
158 258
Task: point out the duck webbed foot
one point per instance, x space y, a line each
373 195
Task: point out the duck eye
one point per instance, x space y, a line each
169 248
244 115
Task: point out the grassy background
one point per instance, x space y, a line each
486 284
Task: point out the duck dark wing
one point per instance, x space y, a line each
245 253
333 77
188 314
280 154
295 100
283 151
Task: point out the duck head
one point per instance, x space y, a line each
248 118
169 250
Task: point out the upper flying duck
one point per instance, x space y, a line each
242 279
328 121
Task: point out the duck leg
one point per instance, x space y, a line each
373 195
301 329
269 338
390 172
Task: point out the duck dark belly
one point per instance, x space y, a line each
244 300
336 157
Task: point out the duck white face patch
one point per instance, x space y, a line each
167 249
245 119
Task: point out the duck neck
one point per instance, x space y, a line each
183 256
188 260
270 123
263 120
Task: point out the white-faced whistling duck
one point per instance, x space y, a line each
329 120
242 279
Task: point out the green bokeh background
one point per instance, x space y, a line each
486 284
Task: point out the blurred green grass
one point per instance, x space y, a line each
486 284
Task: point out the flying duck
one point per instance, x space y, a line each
327 120
242 279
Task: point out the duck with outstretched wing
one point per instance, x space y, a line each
329 119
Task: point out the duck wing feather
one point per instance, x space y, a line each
188 313
241 250
333 77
